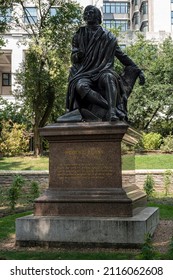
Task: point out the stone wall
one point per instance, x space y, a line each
141 175
6 178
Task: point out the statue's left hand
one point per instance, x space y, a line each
141 78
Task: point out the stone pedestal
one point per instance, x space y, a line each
85 201
55 231
85 173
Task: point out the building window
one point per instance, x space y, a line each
30 15
171 17
123 25
144 27
6 16
144 8
116 8
135 19
6 79
109 24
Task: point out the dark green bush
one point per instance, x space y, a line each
149 186
15 190
147 251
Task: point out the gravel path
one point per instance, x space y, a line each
163 235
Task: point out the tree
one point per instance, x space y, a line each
42 77
13 112
152 103
4 5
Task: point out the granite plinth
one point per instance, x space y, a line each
85 172
89 231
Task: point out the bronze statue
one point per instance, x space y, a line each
95 91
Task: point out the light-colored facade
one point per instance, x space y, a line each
84 3
153 17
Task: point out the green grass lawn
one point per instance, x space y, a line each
24 163
154 161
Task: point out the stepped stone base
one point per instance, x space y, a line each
86 202
87 231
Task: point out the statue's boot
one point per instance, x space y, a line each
95 98
108 83
112 115
111 97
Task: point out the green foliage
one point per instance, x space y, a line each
167 181
152 102
15 190
165 210
3 196
149 186
125 148
14 139
167 145
3 20
7 225
14 112
151 141
21 192
34 190
147 251
42 78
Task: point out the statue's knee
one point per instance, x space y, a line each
106 78
109 76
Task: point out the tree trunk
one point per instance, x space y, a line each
37 141
152 117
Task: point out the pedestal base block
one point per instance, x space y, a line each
86 231
100 202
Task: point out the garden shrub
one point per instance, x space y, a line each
14 139
167 181
3 196
151 141
15 190
167 145
124 148
34 191
149 186
20 192
147 250
139 146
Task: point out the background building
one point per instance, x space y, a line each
152 17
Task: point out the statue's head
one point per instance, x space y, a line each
92 15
